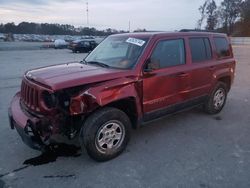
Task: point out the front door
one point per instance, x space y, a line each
166 85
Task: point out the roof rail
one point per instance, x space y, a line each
197 30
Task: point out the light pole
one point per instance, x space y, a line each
87 11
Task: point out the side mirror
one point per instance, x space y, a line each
151 64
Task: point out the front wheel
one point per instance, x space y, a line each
217 99
105 133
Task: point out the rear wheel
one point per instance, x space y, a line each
106 133
217 99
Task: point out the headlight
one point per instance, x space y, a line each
49 99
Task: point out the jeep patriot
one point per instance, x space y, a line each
127 80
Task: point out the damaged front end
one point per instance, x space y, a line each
38 114
28 127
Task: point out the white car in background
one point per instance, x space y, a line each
60 44
2 37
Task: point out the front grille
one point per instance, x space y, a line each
29 96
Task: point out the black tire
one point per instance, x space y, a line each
95 131
212 106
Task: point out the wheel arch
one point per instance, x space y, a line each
128 106
226 80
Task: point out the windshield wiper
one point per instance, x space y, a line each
98 63
83 61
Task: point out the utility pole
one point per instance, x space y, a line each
87 11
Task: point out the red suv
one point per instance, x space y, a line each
128 79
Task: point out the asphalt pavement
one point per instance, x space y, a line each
190 149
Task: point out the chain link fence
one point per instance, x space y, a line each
240 40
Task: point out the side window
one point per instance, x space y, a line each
92 43
86 44
169 53
200 49
222 47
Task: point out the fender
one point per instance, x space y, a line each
108 92
225 71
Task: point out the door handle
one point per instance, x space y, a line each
212 68
183 74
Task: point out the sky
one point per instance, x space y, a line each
158 15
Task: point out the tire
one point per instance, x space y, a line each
105 133
217 99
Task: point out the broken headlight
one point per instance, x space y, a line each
49 99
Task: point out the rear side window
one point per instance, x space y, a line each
169 53
222 47
86 44
200 49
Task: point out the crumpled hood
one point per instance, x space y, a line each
73 74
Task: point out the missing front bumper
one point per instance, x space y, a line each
28 135
24 124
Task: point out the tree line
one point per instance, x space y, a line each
231 17
54 29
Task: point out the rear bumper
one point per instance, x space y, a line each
71 47
24 124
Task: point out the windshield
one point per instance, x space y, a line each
118 51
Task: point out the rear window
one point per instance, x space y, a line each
200 49
222 47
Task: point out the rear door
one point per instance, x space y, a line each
92 44
202 67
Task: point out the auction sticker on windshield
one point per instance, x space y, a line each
135 41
